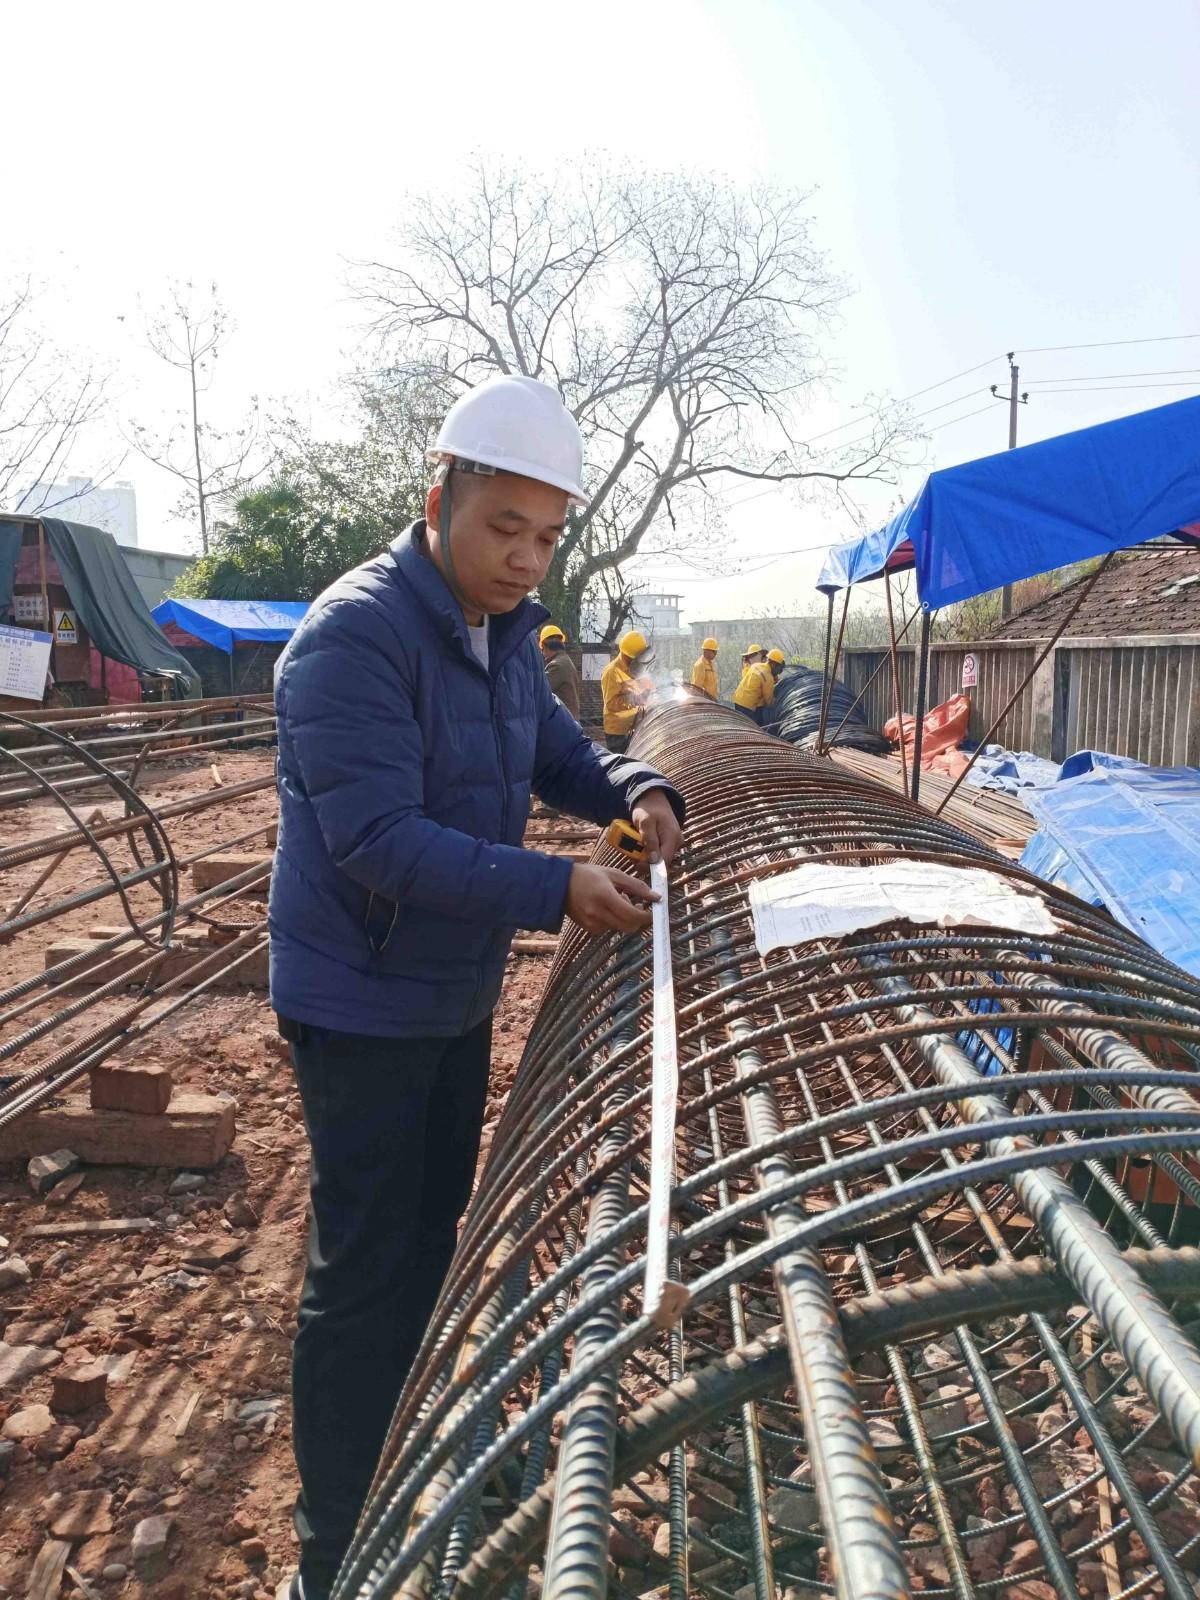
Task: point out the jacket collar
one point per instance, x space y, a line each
507 632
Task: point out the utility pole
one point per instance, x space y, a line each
1014 400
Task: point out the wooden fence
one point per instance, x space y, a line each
1136 697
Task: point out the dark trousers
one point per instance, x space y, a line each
394 1126
618 742
755 715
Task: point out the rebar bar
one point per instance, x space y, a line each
926 1337
129 985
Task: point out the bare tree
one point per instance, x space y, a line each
47 400
189 332
680 318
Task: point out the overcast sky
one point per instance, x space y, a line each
988 177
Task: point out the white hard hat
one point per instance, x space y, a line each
519 425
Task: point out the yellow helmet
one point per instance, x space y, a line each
634 644
551 631
751 650
777 656
709 644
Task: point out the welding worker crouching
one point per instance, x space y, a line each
623 693
756 691
753 694
415 722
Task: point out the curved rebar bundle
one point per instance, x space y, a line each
938 1335
83 760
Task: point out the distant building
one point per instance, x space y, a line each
657 616
109 506
154 571
795 636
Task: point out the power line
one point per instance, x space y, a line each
950 421
772 488
916 395
1095 377
747 572
958 399
966 373
1119 388
1047 349
1103 344
1100 387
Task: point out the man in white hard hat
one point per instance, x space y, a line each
414 722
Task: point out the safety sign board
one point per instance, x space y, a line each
24 662
29 608
66 628
970 671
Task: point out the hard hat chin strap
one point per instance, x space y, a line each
444 539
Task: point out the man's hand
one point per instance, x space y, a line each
654 818
601 900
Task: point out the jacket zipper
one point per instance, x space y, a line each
503 815
500 761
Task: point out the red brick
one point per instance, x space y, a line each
78 1388
131 1088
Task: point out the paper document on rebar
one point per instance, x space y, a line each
824 900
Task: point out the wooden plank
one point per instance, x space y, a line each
110 964
90 1227
46 1578
114 963
217 869
195 1132
185 1416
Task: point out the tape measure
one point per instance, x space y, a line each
625 838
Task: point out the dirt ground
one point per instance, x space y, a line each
188 1343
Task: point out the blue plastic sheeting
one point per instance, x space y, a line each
986 523
1093 760
1010 770
975 1048
1127 838
224 623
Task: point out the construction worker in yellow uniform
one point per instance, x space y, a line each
704 673
770 670
560 669
752 694
623 696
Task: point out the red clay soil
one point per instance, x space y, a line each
171 1330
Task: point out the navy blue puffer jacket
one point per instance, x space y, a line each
405 774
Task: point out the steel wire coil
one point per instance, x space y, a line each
795 714
936 1208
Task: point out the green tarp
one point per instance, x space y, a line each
104 594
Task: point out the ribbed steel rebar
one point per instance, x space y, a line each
936 1209
130 987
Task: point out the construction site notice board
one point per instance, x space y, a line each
24 662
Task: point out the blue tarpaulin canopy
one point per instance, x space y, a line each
225 623
978 526
888 549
